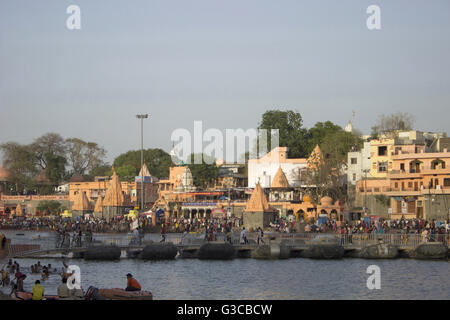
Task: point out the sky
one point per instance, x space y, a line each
224 62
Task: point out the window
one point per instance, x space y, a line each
382 166
402 166
382 151
354 161
410 184
447 182
376 189
354 177
396 185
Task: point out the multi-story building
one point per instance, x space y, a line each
383 149
420 185
358 164
263 170
231 175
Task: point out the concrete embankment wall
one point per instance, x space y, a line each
225 251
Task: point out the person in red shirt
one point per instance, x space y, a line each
132 284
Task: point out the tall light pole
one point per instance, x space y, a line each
365 191
142 117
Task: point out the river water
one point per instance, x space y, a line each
261 279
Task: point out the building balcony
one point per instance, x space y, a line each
436 170
399 174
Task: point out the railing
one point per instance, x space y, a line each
357 240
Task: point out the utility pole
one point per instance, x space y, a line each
142 117
365 192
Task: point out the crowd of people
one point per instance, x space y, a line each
75 232
117 224
381 226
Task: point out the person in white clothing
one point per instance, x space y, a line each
243 239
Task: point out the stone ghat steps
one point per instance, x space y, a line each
226 251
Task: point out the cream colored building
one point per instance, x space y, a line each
263 170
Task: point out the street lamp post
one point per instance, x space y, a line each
365 191
142 117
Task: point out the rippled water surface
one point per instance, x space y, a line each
262 279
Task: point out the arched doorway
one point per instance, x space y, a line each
193 213
208 213
414 166
437 164
186 213
290 215
201 213
300 215
334 214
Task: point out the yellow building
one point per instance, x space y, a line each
381 151
96 189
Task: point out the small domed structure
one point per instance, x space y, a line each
326 201
306 198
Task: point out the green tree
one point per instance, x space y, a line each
49 142
99 171
126 172
328 174
335 146
49 207
390 125
291 131
21 164
157 160
56 167
83 156
318 134
204 174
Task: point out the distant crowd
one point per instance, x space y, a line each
83 226
381 226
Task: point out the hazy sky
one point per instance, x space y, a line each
221 61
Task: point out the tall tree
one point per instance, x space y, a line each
157 160
291 131
125 172
21 164
48 143
56 167
84 156
390 125
326 175
317 134
101 170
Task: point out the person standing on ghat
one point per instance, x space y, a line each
260 235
